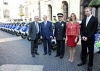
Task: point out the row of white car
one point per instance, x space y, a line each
20 29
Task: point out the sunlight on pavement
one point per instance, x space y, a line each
13 67
10 39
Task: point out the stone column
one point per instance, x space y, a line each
64 11
81 12
49 13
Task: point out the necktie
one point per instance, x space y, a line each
87 20
45 24
37 27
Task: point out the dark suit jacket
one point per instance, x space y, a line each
32 31
46 31
91 28
60 30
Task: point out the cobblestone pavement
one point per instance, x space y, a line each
17 52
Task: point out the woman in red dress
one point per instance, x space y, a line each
72 33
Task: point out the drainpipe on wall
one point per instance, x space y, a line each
69 9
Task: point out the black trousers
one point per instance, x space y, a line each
34 45
60 47
90 45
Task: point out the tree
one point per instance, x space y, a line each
96 4
21 14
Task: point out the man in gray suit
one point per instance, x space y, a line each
33 35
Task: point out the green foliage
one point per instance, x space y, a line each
95 3
21 14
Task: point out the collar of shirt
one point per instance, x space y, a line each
45 22
60 21
89 17
36 22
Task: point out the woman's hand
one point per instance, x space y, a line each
66 38
76 39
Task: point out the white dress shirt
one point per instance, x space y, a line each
87 19
45 22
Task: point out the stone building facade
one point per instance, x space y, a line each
9 10
46 7
52 7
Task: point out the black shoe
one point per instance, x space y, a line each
89 68
36 53
44 53
33 55
57 55
61 57
49 53
80 64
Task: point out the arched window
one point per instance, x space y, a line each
64 9
6 13
49 12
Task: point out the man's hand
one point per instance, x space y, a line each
54 37
29 38
40 37
84 38
50 36
63 38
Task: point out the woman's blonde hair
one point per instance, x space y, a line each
71 17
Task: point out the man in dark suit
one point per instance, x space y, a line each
46 34
33 36
59 35
88 29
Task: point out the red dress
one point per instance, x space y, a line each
72 31
71 41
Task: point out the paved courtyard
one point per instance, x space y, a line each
15 55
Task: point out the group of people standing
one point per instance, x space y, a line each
66 31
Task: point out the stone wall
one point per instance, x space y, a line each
99 14
73 6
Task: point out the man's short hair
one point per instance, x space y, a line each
44 16
88 8
54 16
36 17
